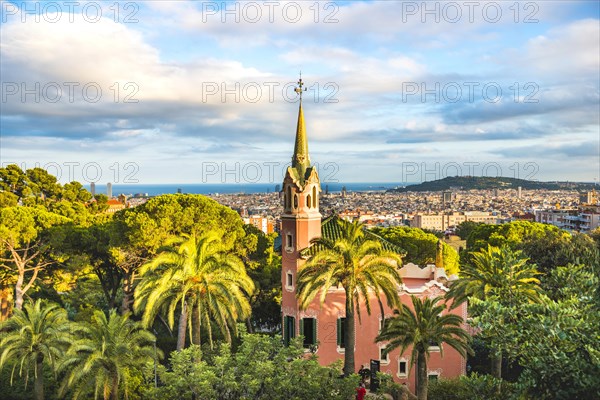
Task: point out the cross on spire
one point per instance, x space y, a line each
298 89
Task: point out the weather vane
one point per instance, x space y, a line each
299 90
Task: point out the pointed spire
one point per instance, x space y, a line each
301 159
439 254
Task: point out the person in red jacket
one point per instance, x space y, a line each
361 392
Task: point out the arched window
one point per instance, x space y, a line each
314 197
309 201
295 201
288 197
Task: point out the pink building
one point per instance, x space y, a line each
323 325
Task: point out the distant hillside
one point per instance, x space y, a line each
484 182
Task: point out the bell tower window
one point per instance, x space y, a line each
288 197
314 196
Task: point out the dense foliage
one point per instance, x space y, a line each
420 247
261 367
93 298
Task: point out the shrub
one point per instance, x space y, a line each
473 387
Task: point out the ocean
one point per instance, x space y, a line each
232 188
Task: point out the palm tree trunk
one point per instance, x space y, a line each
209 329
5 295
496 369
39 379
182 327
114 392
196 324
127 292
422 379
349 335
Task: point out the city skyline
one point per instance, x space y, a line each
395 87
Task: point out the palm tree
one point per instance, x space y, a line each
198 276
103 354
31 337
496 272
422 328
361 266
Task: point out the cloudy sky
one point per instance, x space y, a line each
190 92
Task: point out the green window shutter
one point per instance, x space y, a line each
314 329
302 326
292 327
289 329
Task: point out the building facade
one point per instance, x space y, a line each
443 221
322 325
583 219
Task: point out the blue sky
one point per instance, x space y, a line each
193 92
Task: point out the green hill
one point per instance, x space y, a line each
484 182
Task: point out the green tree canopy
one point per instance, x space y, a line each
511 234
14 180
32 338
264 268
43 184
556 342
8 199
420 246
498 273
104 355
149 225
24 246
75 192
464 229
201 278
545 245
260 368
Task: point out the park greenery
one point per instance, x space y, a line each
178 299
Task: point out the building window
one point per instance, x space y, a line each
288 197
289 280
308 329
433 376
383 358
341 333
309 201
295 201
289 329
314 196
402 368
289 243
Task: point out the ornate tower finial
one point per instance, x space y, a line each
299 90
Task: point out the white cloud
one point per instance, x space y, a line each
566 52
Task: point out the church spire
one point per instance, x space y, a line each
300 159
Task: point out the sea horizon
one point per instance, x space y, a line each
155 189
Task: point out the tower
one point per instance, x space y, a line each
300 221
109 190
93 188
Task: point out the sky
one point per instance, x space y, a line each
396 91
